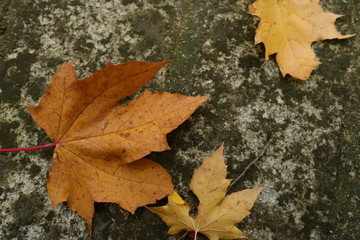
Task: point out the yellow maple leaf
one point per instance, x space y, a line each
217 212
288 27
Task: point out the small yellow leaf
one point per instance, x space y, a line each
217 212
176 198
288 27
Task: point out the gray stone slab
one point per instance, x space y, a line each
311 168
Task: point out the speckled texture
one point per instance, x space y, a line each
310 170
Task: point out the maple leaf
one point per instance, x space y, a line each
99 142
217 212
288 28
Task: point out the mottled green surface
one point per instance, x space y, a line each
311 170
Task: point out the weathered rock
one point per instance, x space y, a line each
310 170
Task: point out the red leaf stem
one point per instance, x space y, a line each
28 148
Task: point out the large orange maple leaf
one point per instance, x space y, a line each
289 27
100 143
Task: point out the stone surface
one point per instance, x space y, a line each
310 170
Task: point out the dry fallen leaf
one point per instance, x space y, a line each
288 27
99 142
217 212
